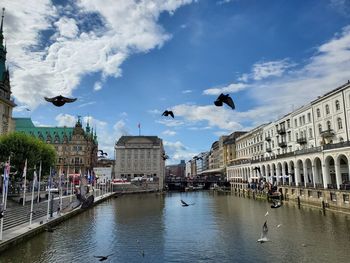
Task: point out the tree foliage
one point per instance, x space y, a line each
19 147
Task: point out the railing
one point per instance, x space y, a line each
327 133
283 155
282 144
301 140
268 138
292 184
336 145
331 186
319 186
345 187
309 150
281 130
310 185
269 149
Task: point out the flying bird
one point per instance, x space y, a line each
60 100
224 99
184 203
103 258
165 157
263 237
102 153
279 225
167 113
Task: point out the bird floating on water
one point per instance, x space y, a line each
60 100
263 237
267 213
103 258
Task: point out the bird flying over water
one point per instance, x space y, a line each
184 203
60 100
102 258
224 99
263 237
267 213
167 113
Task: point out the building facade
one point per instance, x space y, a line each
76 148
6 102
307 148
140 156
176 170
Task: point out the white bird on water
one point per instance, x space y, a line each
267 213
263 237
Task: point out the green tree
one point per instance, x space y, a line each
20 147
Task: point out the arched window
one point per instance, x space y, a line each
329 127
340 123
337 105
318 112
327 109
341 139
296 136
310 132
320 128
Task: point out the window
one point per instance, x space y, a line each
310 132
288 123
327 109
340 124
346 198
318 113
329 127
320 128
333 197
319 194
296 136
337 105
303 119
295 122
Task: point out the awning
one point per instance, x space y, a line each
216 170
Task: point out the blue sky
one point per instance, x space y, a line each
127 61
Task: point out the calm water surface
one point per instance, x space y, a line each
217 228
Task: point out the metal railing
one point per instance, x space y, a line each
336 145
301 140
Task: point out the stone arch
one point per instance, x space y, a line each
330 178
342 162
299 172
285 173
308 177
318 175
291 169
279 173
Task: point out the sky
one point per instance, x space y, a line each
129 60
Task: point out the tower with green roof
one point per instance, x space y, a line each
6 103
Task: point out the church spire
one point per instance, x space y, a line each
1 27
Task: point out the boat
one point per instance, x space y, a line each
276 204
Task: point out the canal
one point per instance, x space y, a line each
216 228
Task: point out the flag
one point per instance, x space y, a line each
50 178
89 176
139 125
35 178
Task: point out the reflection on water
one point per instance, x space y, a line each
217 228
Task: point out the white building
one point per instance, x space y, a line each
308 147
140 156
104 174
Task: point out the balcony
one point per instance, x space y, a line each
281 131
336 145
309 150
302 140
268 138
268 149
282 144
327 133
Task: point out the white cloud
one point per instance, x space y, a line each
222 2
45 68
169 132
97 86
187 91
231 88
87 104
171 122
65 120
271 68
177 151
155 112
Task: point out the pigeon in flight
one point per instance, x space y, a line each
224 99
167 113
184 203
165 157
263 237
60 100
103 258
102 153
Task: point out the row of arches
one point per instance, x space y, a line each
330 172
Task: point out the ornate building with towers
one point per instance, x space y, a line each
6 102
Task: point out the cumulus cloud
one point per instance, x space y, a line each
169 132
65 120
271 68
44 65
187 91
231 88
171 122
177 151
97 86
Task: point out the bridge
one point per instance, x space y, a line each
180 183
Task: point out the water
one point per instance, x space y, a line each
217 228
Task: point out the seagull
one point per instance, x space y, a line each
224 99
60 100
167 113
165 157
279 225
103 258
184 203
263 237
267 213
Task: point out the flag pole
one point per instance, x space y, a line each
25 179
32 201
7 181
39 182
49 198
60 174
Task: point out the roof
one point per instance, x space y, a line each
139 139
58 134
